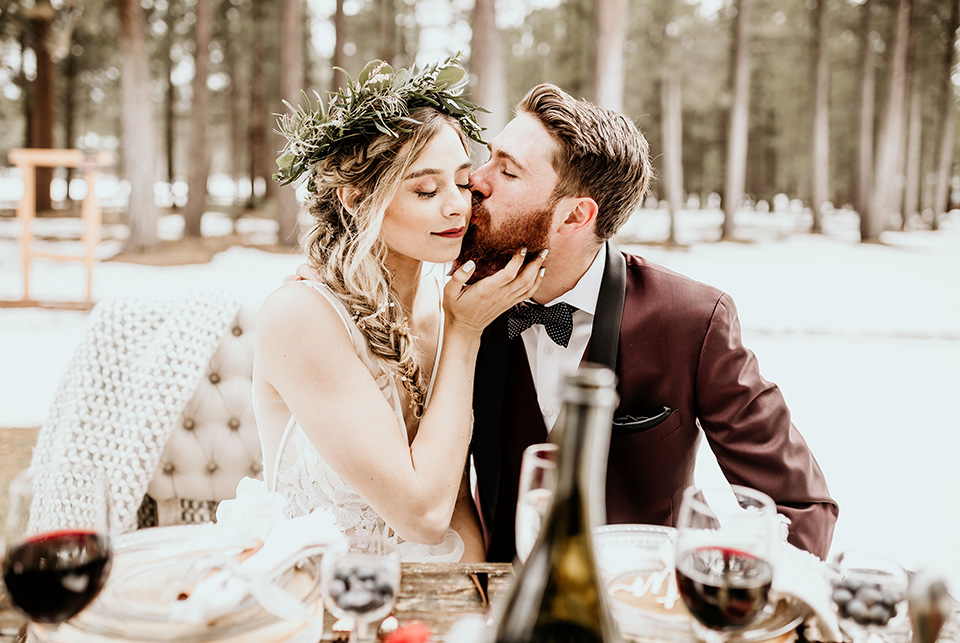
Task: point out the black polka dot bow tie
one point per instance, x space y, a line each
556 319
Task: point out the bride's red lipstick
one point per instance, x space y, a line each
452 233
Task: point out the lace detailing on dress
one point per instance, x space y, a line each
306 481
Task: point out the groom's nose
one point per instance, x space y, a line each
481 184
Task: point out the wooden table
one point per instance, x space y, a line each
439 594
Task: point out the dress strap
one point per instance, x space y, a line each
335 302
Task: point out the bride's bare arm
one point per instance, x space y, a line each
466 522
304 353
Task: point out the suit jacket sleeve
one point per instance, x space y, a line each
748 426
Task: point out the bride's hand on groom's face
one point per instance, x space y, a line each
471 308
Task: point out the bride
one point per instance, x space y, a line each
363 380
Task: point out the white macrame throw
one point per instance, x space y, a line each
128 382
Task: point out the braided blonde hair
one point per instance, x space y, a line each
346 247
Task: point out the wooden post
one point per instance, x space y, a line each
27 161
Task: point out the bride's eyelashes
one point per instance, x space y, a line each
428 195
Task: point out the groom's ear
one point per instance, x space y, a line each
577 214
349 197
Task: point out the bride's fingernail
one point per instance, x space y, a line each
523 252
543 271
468 267
543 255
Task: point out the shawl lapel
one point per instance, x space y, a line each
605 335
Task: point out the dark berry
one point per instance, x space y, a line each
841 596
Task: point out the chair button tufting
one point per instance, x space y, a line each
255 469
237 331
234 423
189 424
214 378
212 467
168 468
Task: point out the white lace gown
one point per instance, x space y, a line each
295 469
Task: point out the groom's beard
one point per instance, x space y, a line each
491 249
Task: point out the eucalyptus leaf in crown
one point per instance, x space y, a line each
378 102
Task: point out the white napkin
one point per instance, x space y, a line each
800 574
256 515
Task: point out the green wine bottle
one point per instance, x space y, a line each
559 596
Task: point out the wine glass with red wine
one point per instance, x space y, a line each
57 541
722 558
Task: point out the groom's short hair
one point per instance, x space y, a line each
600 153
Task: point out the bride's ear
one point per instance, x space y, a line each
349 197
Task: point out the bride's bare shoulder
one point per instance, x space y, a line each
297 310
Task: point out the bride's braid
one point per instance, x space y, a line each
346 247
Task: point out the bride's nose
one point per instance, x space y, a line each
457 203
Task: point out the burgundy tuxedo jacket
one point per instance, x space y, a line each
682 372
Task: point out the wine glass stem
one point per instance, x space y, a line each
361 631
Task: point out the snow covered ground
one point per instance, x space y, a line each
863 339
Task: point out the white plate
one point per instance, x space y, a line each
625 552
150 567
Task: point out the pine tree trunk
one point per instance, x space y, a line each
388 30
339 58
486 67
199 163
136 114
947 121
820 172
672 106
868 97
290 68
739 118
44 97
169 108
233 111
255 121
609 37
891 131
70 112
911 199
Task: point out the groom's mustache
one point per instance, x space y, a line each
491 249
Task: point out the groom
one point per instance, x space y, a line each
565 175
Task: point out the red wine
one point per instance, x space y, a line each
723 588
51 577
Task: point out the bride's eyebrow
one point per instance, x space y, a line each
429 170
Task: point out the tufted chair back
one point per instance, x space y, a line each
215 443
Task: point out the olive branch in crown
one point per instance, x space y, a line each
378 102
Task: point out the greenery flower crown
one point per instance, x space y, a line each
378 102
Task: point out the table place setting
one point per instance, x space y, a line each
254 575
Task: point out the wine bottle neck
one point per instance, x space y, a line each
582 458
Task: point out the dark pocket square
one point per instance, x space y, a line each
631 424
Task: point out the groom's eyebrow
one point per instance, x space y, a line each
500 154
429 170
